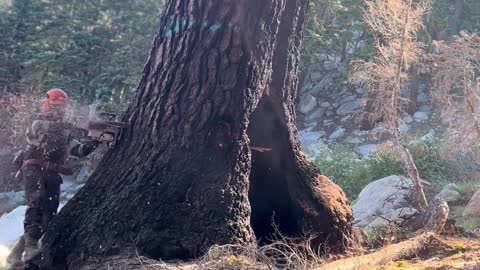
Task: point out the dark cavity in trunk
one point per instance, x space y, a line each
271 205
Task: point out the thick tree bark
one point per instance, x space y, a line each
220 76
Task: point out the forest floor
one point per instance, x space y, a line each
449 253
442 254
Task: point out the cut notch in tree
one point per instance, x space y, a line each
181 178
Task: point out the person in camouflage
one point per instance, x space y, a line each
50 141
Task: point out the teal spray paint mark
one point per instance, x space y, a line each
215 27
175 28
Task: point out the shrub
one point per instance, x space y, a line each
352 174
435 167
470 225
344 168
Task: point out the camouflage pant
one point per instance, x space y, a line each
42 191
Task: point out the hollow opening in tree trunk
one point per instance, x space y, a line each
272 207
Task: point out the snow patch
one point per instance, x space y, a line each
11 226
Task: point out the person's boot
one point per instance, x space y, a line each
31 252
14 259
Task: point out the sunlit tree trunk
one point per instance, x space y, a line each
221 77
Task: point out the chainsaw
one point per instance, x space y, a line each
101 126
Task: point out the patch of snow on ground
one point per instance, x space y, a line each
11 226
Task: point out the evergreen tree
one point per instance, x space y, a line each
94 50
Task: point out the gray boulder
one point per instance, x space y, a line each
424 108
408 119
387 198
311 141
367 149
310 126
472 211
423 98
325 104
349 107
356 141
320 85
397 216
420 117
329 113
328 65
307 103
316 76
404 128
11 200
316 114
327 122
360 91
449 195
340 132
348 99
305 87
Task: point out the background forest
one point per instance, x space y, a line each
95 51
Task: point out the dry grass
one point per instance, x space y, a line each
457 85
283 253
422 252
459 253
278 255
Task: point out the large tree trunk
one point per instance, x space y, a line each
220 76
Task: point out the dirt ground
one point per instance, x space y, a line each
443 253
461 253
446 254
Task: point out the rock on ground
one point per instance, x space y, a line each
473 207
386 198
307 103
425 108
449 195
404 128
340 132
311 141
11 200
349 107
420 117
397 215
367 149
408 119
316 114
320 85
